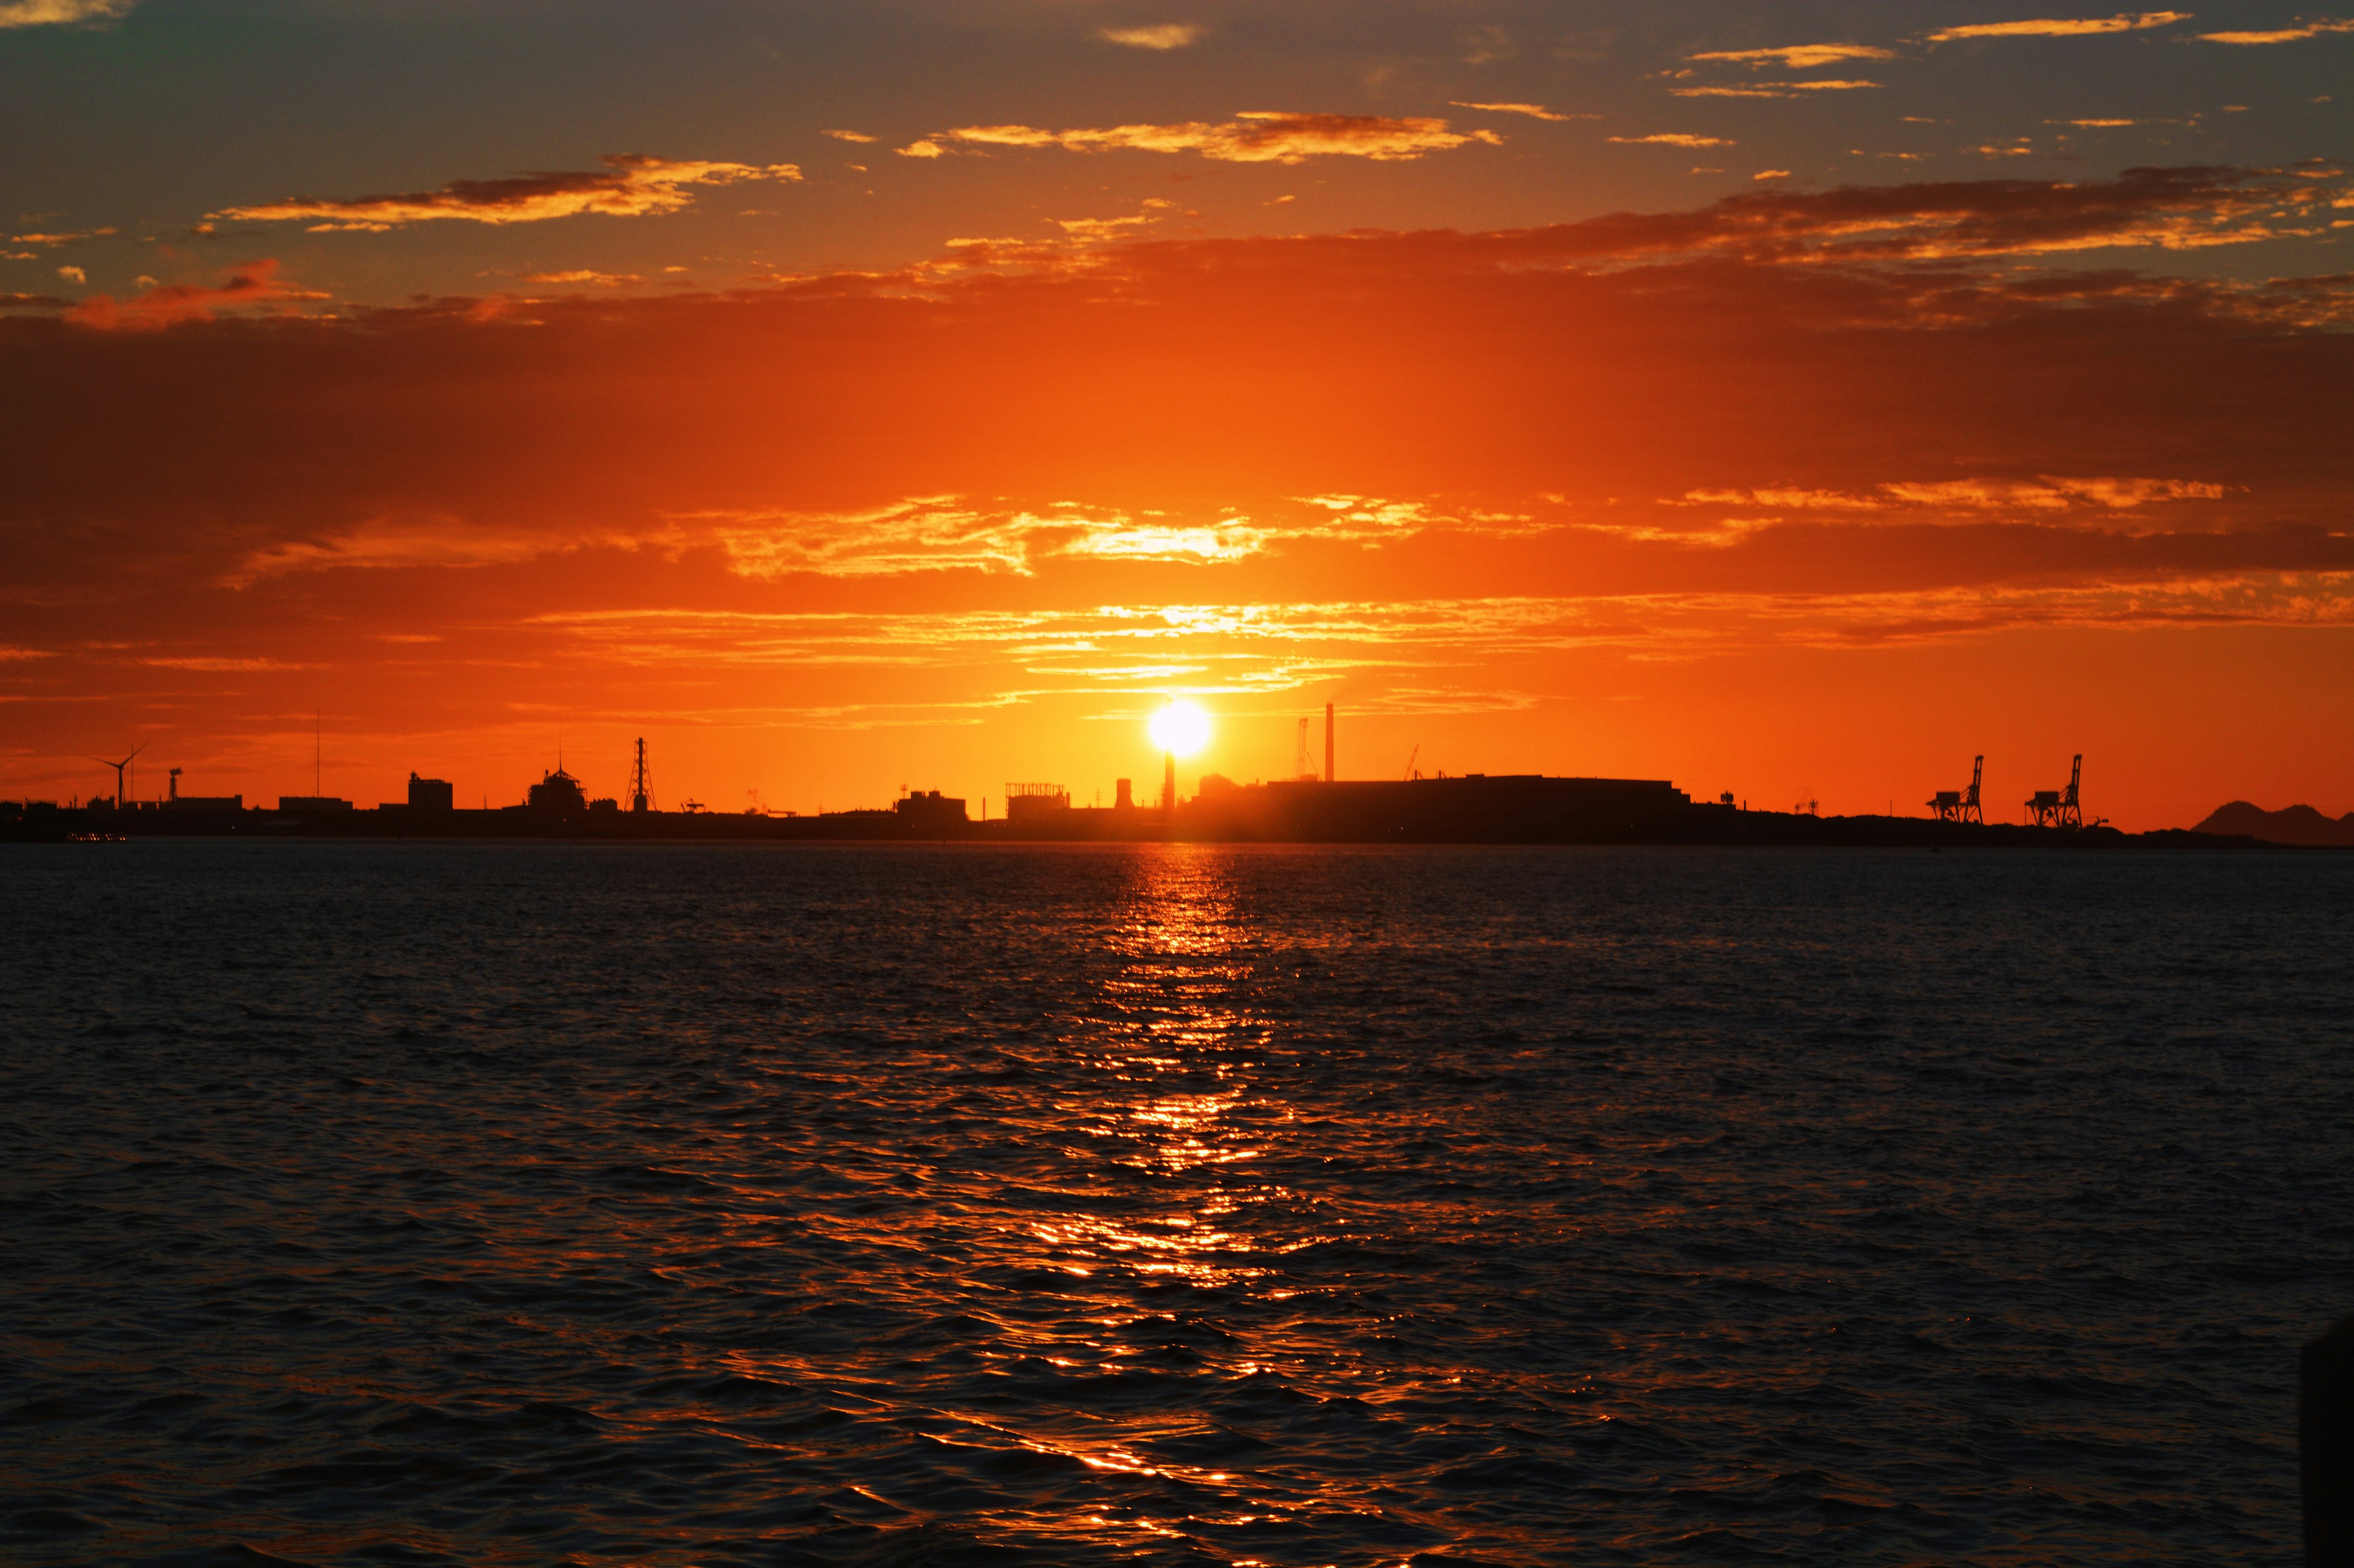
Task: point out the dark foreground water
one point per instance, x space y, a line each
383 1203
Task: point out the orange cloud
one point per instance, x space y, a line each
581 275
2124 22
1170 36
1674 138
631 184
59 13
1771 89
2283 35
1258 136
2045 493
255 284
1799 57
1533 111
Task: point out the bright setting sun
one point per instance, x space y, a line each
1181 728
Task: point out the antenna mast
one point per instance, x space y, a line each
642 784
318 751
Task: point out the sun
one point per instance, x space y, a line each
1181 729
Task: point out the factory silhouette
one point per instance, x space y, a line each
1313 806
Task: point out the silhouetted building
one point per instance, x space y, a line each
431 794
1026 802
930 809
312 804
175 801
1124 799
606 804
558 791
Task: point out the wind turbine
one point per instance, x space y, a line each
120 804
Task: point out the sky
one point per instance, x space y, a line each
1794 399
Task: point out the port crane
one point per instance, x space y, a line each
1962 805
2060 808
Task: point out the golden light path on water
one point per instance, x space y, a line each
1179 1012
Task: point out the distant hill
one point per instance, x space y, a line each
2295 825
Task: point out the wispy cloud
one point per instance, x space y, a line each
1250 137
1673 139
1533 111
1799 57
255 284
1101 228
1258 136
581 275
417 540
1168 36
631 184
56 239
2043 494
59 13
1773 88
2061 27
2284 34
847 135
936 533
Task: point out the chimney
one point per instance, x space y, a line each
1327 743
1125 800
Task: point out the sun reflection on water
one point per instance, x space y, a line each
1172 1199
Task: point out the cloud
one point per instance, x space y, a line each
847 135
1674 138
2163 208
2284 34
2045 494
1773 88
1533 111
2124 22
602 280
255 284
1170 36
1258 136
925 148
59 13
55 240
631 184
1103 229
939 534
414 540
73 274
1799 57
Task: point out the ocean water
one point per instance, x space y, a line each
398 1203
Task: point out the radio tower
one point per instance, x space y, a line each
641 786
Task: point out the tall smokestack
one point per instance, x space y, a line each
1327 743
1169 781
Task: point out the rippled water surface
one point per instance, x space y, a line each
385 1204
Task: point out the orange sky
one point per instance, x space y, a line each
1802 487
